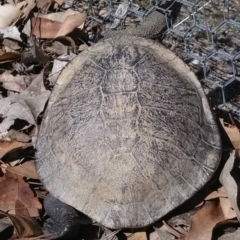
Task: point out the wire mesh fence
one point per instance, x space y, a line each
205 33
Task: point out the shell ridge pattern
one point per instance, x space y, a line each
183 168
170 182
204 167
166 129
98 65
166 142
146 209
176 113
120 134
188 183
211 145
166 199
143 175
171 87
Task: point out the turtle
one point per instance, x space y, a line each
128 134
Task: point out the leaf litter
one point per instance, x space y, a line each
30 66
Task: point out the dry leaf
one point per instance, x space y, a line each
58 16
36 95
8 13
5 222
9 56
161 234
204 221
15 188
71 22
15 83
57 48
58 65
11 44
227 209
44 28
28 8
20 209
229 178
26 196
6 147
136 236
108 234
60 2
27 169
11 32
25 226
217 194
15 135
103 13
120 13
44 4
13 108
82 47
233 134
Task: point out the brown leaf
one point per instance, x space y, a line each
60 2
26 196
56 47
11 44
227 209
204 221
161 234
15 135
20 209
9 56
233 133
15 188
70 23
6 147
44 28
36 95
216 194
82 47
136 236
28 8
58 16
27 169
8 192
25 226
171 230
229 178
44 4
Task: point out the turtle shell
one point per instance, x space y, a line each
128 134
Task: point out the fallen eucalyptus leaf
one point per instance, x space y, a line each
11 32
25 226
8 146
36 95
229 178
70 23
13 108
27 169
8 13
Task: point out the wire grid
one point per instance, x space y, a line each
208 33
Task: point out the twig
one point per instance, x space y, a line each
185 19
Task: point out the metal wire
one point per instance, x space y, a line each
208 33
